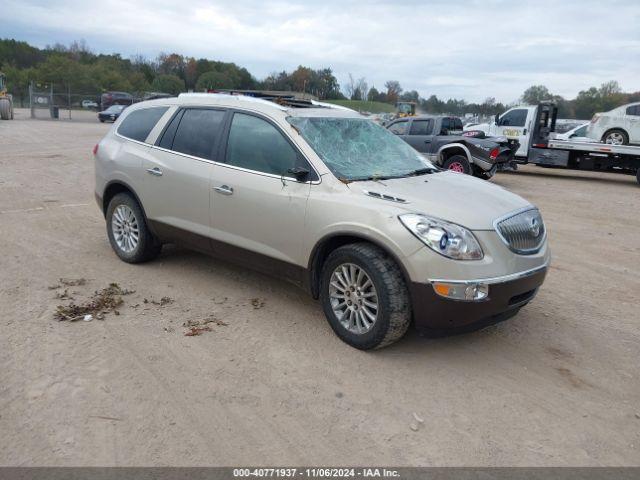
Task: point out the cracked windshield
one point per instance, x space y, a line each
358 149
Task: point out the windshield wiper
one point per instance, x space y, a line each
421 171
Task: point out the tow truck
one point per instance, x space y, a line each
548 151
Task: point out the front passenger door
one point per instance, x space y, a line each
257 206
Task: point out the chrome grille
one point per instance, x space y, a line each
523 232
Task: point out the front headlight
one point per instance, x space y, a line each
445 238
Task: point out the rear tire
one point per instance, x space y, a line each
127 230
638 176
380 306
6 110
457 163
616 137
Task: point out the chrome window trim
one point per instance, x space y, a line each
528 251
494 280
282 132
222 164
213 162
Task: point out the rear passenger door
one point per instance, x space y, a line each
257 206
421 135
178 176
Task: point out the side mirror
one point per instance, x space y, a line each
444 131
497 119
299 173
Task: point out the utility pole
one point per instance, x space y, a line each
31 107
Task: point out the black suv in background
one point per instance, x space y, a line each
441 140
115 98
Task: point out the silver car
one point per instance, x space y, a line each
327 199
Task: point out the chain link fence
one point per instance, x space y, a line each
51 101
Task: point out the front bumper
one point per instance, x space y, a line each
435 315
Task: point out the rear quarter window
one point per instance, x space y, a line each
139 123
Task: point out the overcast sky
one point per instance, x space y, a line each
463 49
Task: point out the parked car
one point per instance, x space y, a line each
441 139
327 199
576 134
89 104
115 98
111 114
620 126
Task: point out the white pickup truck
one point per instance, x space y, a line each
514 124
534 127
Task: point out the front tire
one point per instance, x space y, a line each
616 137
457 163
364 296
6 109
127 230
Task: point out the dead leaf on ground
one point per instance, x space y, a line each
73 282
195 331
258 303
197 327
102 302
64 295
163 301
197 323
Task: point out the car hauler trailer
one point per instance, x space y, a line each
546 151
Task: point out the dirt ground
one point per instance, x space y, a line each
271 384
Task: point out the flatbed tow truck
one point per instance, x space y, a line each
546 151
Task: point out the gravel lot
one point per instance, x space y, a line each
557 385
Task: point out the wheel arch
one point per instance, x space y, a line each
334 240
614 129
452 149
115 187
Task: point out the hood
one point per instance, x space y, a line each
455 197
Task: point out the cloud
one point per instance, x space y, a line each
467 49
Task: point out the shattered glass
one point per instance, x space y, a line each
358 149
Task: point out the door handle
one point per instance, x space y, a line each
427 141
155 171
224 190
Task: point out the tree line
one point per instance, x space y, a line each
77 68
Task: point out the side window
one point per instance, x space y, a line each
457 124
198 132
421 127
514 118
166 141
633 110
257 145
581 132
139 123
399 128
445 125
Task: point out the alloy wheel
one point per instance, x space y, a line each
353 298
125 228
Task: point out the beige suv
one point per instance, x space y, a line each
327 199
